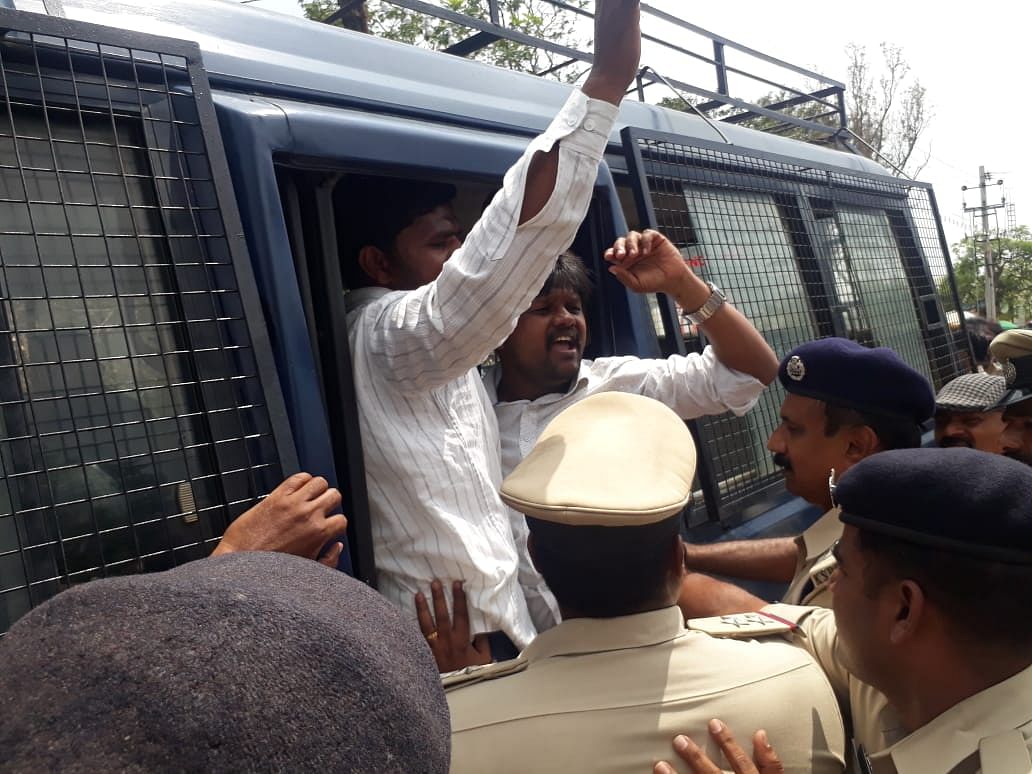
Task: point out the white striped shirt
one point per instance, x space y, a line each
429 434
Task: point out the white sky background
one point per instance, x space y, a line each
974 61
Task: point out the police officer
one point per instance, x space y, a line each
608 687
1013 350
844 402
930 622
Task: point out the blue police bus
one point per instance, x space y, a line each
172 332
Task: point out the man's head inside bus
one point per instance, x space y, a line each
543 353
395 233
843 403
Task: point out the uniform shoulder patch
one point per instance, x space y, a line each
477 674
750 625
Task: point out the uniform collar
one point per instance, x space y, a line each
822 534
494 375
594 635
954 735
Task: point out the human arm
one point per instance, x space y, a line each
426 337
764 761
449 637
648 262
296 518
702 596
770 559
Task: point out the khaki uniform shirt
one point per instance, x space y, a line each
990 732
609 695
811 584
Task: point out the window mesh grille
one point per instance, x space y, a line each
804 252
133 420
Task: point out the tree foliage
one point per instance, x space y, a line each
532 17
1012 263
886 106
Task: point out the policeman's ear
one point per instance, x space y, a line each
911 608
376 264
863 442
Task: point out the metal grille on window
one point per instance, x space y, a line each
804 251
133 420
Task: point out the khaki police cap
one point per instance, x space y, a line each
1013 349
612 460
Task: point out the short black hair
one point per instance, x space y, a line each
985 601
373 210
605 572
569 273
893 432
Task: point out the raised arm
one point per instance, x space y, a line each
648 262
429 336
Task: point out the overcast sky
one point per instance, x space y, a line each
972 59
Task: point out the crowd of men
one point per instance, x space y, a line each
526 524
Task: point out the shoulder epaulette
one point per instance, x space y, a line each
476 674
775 619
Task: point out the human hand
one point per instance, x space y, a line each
294 519
648 262
617 49
450 640
765 758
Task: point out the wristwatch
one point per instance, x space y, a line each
709 308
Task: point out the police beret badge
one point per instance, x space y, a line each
795 368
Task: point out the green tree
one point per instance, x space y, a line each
532 17
1012 263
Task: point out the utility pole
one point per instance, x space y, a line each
987 245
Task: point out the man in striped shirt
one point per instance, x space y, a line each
432 309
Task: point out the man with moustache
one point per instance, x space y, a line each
844 402
969 412
929 644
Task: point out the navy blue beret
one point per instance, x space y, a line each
844 373
961 501
243 662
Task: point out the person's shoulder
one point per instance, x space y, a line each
475 675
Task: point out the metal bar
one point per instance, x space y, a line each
718 58
472 44
952 277
648 9
815 97
741 104
486 26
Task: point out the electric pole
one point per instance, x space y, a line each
987 245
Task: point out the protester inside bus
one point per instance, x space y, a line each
431 310
926 624
247 662
1013 350
969 412
844 402
604 690
540 369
